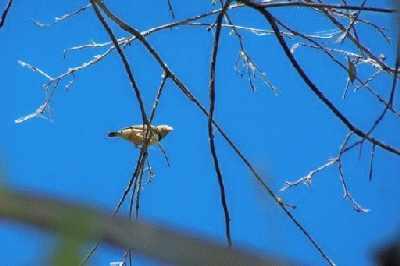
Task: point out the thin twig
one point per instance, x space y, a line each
5 12
371 163
171 9
129 252
63 17
139 165
346 193
322 6
135 196
352 38
213 64
252 70
307 179
164 78
137 192
164 154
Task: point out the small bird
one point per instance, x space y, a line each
137 133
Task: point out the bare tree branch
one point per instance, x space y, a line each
139 165
171 9
213 64
63 17
322 6
5 12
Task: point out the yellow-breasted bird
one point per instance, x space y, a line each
137 133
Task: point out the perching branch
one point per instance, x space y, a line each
143 150
138 169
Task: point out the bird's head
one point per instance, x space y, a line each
164 130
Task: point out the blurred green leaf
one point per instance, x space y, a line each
66 252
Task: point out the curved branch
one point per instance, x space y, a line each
150 240
213 65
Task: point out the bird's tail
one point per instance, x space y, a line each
113 134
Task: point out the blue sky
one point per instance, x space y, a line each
284 136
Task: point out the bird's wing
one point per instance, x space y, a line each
134 127
140 127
